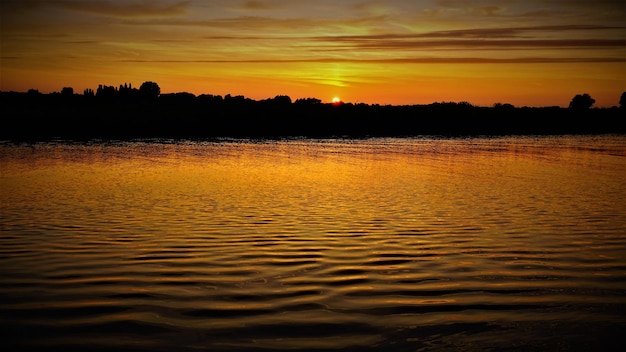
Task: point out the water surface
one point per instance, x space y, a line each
514 243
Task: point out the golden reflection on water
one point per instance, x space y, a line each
359 242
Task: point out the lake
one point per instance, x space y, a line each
382 244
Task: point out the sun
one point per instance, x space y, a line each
336 100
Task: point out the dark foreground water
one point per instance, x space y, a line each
418 244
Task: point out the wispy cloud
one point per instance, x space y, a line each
482 8
479 38
408 60
493 38
264 24
512 32
122 9
128 9
259 5
400 42
462 46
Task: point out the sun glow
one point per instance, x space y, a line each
336 100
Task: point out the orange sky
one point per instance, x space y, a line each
523 52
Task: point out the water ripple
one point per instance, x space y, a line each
372 245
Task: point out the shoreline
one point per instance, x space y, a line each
43 117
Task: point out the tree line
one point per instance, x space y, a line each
127 112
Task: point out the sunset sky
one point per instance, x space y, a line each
522 52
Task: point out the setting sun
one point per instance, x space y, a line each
336 100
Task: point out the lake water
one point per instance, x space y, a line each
411 244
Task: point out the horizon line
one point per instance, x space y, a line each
325 102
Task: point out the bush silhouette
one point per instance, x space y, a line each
150 90
582 102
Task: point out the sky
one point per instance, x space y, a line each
520 52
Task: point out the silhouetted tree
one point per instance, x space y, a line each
67 91
308 101
622 101
106 91
505 106
210 98
282 100
127 92
150 90
237 100
582 102
88 92
182 99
